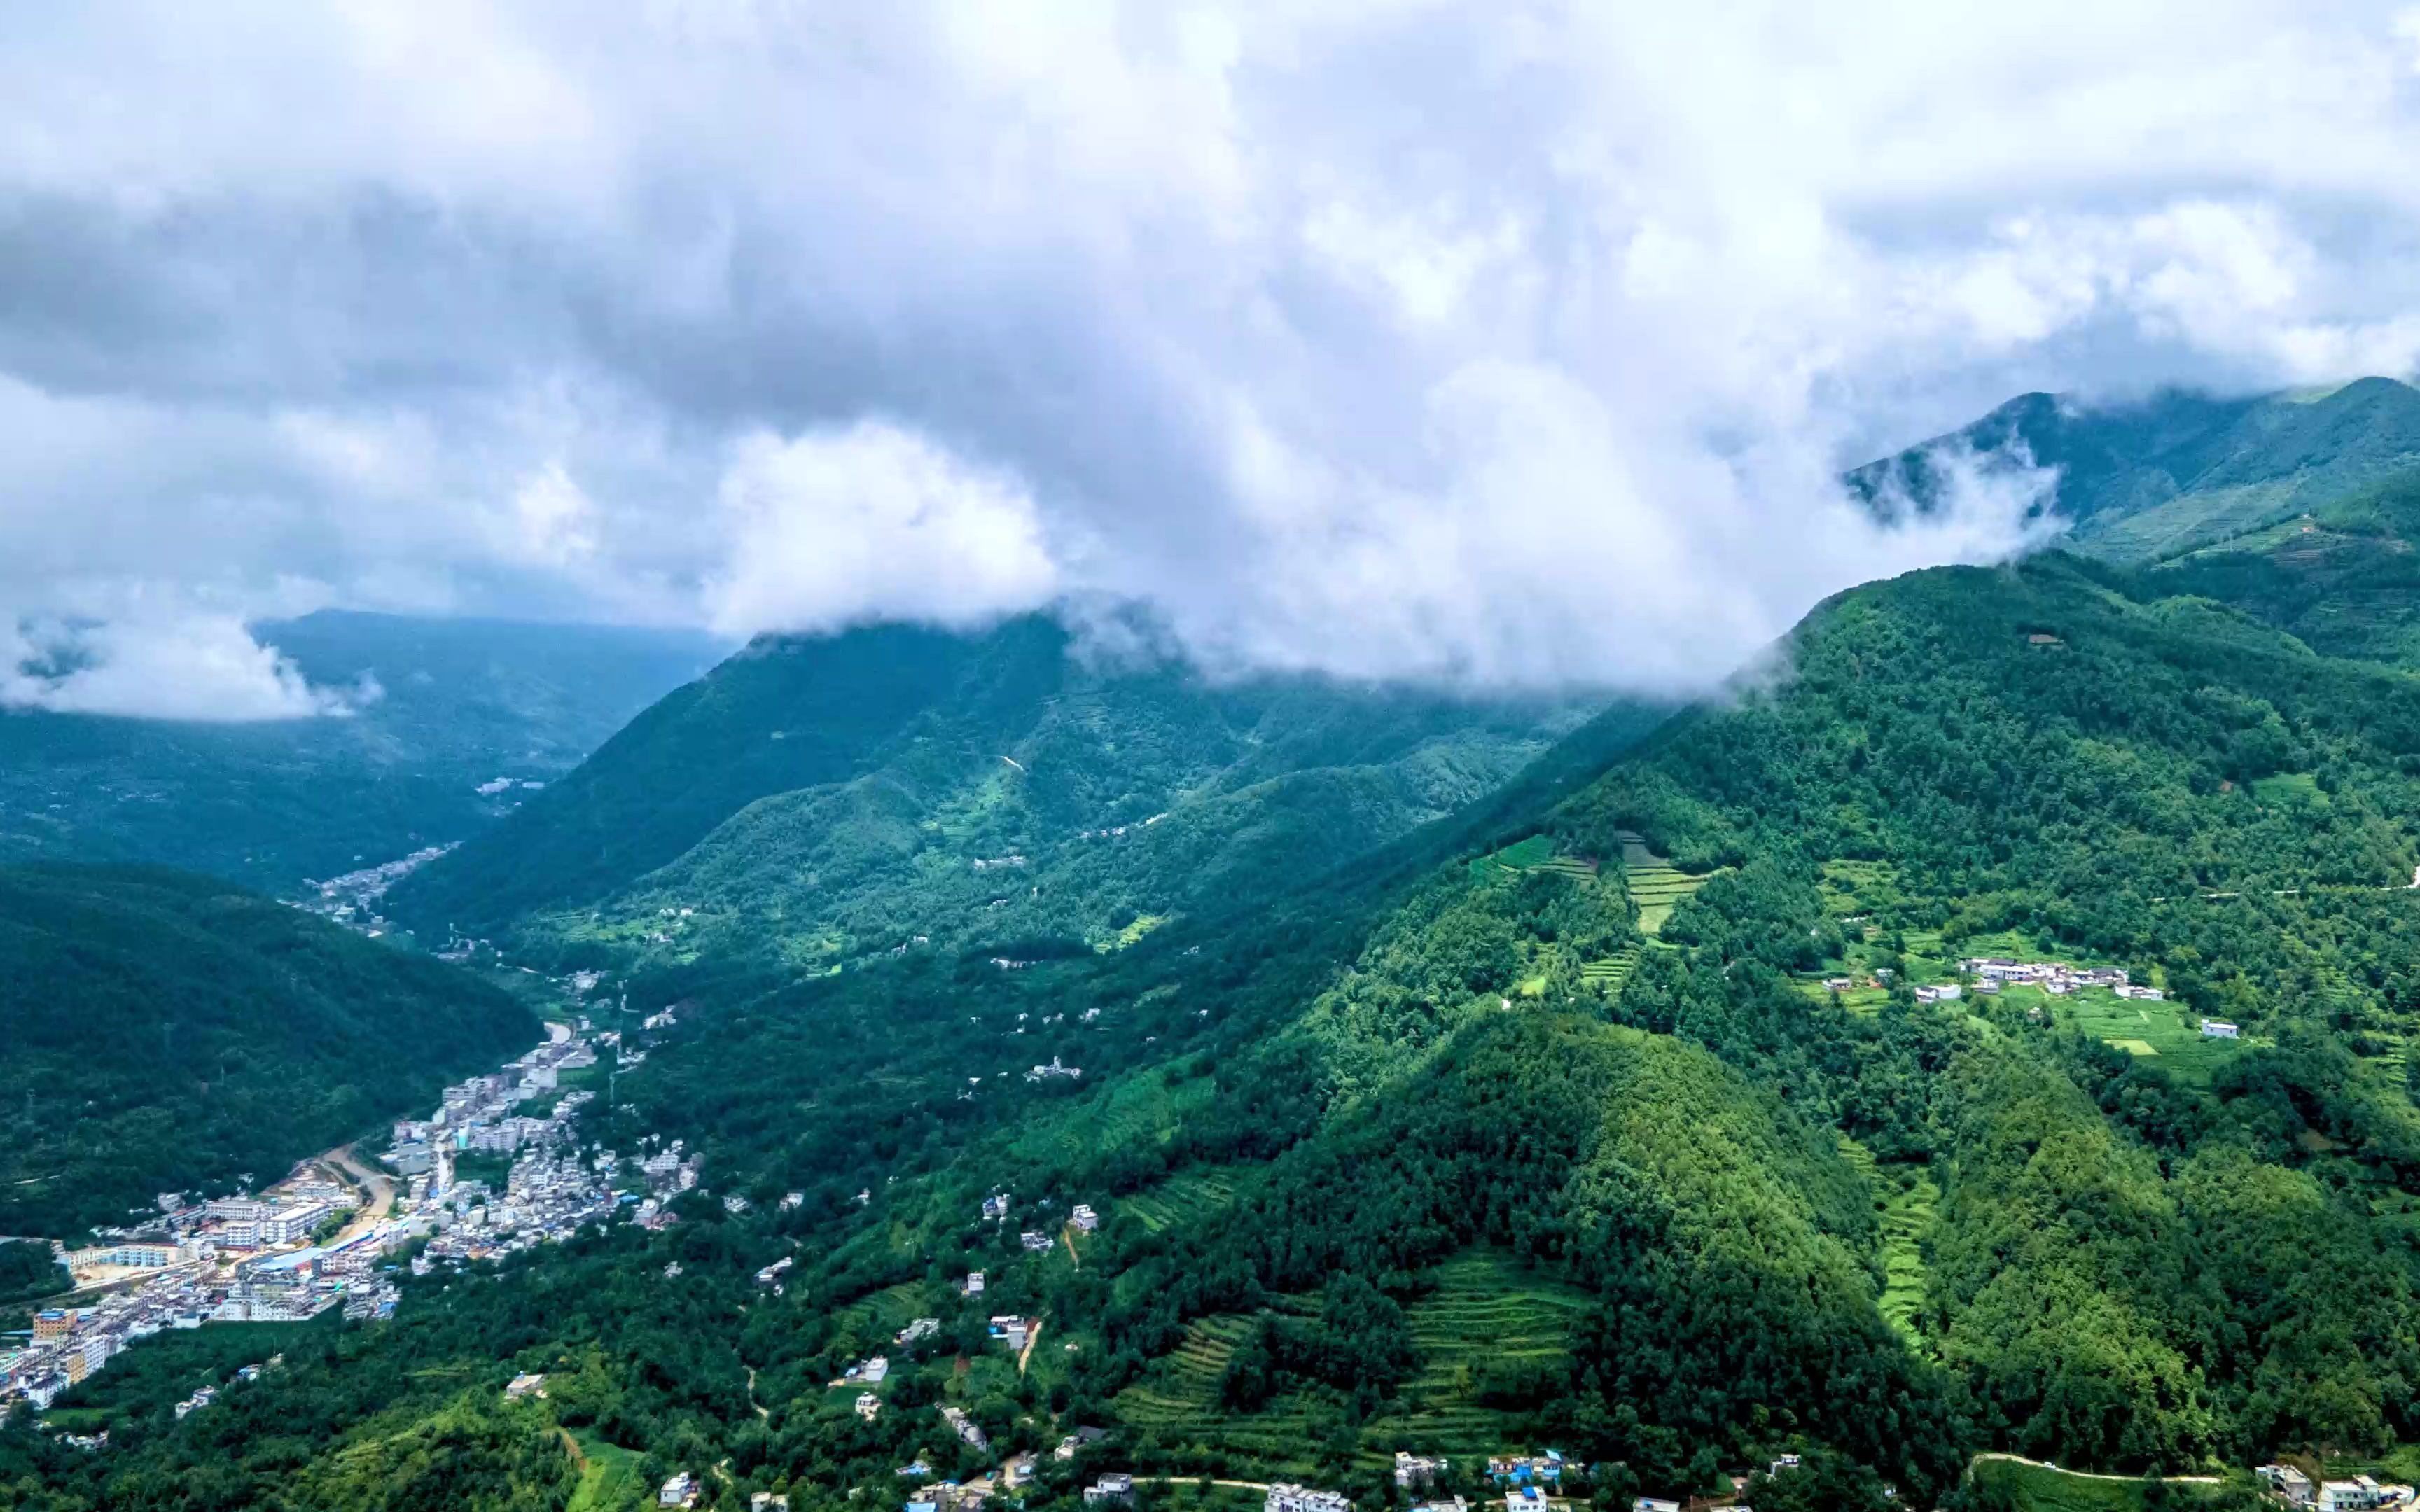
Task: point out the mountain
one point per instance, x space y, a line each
825 799
1621 1113
461 704
162 1031
2151 479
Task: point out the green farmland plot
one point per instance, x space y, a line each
2164 1030
1656 884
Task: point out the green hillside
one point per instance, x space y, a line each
459 703
824 799
1388 1158
164 1031
2155 478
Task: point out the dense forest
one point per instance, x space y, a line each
817 800
1625 1112
160 1031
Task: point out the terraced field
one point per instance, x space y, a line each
1656 884
884 1312
1179 1400
1486 1311
1485 1314
1612 971
1181 1200
1909 1199
1131 1110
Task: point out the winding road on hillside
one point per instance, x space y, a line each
2094 1475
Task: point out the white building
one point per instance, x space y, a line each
1284 1496
2357 1495
1084 1218
2218 1029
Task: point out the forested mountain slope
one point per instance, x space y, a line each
2150 479
162 1031
824 798
459 703
1604 1118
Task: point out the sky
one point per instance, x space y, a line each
1484 345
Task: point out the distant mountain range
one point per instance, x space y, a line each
464 703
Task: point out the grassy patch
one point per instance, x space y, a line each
2287 789
1518 856
609 1476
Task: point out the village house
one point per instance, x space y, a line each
1011 1329
2289 1483
1034 1240
967 1429
868 1405
1947 992
1418 1472
681 1490
1084 1218
768 1502
2218 1029
2358 1494
1114 1489
1521 1470
922 1328
1284 1496
524 1385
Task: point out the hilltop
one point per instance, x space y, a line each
164 1031
2151 479
822 799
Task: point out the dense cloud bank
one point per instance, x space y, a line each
1489 343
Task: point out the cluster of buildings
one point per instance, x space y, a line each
351 899
71 1344
477 1117
2360 1493
551 1192
1992 973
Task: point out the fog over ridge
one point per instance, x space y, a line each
1502 345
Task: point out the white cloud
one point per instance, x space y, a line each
835 528
1393 336
204 667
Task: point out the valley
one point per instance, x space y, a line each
1974 1070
